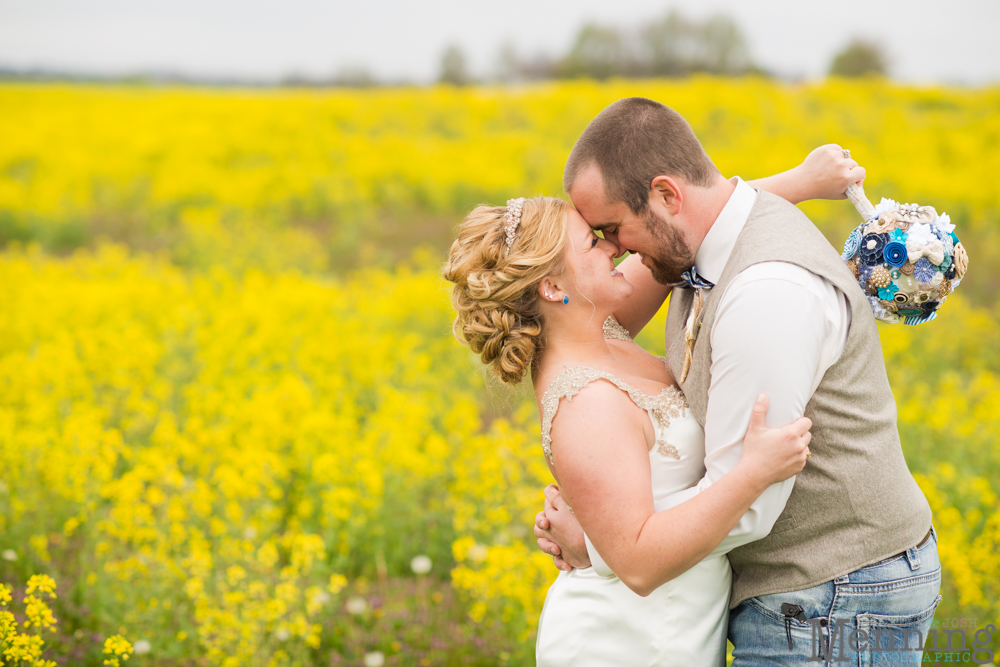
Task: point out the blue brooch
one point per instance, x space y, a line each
872 246
894 254
923 270
852 243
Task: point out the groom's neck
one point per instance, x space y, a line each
704 205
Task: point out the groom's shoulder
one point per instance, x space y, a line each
771 204
777 230
781 216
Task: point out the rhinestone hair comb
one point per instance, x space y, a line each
511 219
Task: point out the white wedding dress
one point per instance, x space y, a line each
588 619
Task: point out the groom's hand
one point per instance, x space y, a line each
559 533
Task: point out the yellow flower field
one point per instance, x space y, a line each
231 409
321 180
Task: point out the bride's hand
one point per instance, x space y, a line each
772 455
826 172
559 533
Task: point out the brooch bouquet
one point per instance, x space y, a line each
906 257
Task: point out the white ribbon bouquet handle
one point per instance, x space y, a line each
856 194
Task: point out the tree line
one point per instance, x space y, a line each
670 46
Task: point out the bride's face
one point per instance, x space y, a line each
590 267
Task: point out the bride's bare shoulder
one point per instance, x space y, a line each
598 416
585 395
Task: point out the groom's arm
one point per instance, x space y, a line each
777 330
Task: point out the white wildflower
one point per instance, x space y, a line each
356 605
421 564
479 552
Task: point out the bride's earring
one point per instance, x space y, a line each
565 299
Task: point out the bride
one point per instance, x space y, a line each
536 287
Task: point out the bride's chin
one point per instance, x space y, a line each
623 294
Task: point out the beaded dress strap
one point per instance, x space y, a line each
668 405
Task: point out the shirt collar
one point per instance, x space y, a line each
715 249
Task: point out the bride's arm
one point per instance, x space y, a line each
824 174
602 465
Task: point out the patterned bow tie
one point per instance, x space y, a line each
691 280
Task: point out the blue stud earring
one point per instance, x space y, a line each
565 300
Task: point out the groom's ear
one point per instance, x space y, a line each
665 191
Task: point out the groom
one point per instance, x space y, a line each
847 545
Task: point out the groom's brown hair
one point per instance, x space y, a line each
633 141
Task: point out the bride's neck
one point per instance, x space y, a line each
566 342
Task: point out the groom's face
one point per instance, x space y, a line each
652 233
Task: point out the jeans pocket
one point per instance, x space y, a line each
884 638
762 636
815 602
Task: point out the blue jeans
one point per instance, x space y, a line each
887 602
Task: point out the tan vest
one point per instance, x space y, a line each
855 503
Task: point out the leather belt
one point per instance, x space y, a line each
922 543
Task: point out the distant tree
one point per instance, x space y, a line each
511 66
724 48
859 58
598 52
675 46
508 64
671 46
453 67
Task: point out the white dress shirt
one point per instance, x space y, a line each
777 330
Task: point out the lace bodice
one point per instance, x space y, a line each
663 408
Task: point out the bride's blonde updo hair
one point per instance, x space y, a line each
496 293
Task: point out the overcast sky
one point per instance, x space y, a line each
953 41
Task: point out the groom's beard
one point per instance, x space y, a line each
672 256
